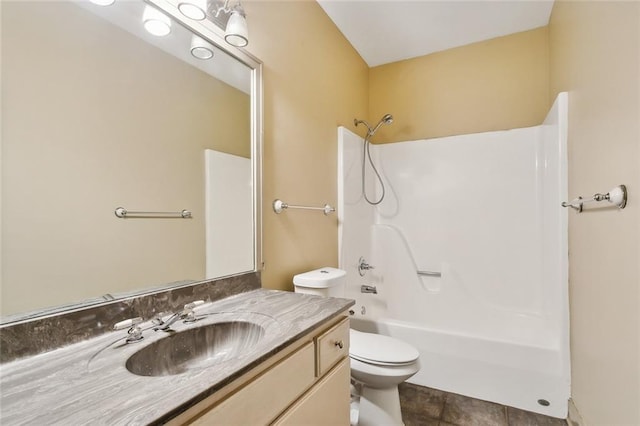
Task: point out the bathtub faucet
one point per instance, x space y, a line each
363 266
368 289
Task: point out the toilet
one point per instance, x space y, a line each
378 363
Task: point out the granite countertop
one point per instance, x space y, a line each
88 383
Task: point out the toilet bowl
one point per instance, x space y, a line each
378 363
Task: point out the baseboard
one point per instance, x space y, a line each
574 418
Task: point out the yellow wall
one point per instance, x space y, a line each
594 50
492 85
313 81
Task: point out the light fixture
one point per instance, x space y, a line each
236 32
103 2
156 22
200 48
194 9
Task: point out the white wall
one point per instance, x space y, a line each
229 217
355 216
481 210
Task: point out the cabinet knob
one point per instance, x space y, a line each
340 344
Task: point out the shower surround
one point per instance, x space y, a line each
483 211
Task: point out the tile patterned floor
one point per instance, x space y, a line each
431 407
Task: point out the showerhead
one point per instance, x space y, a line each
386 119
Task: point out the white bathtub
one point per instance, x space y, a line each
508 373
470 255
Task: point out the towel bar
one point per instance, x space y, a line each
279 206
617 196
123 213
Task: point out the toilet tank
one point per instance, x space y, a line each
327 281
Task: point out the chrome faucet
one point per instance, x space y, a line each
186 314
368 289
363 266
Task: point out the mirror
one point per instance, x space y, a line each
99 114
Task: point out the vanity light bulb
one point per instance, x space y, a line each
156 22
237 33
103 2
200 48
193 9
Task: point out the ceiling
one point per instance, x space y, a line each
384 31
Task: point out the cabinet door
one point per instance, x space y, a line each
325 404
267 396
332 346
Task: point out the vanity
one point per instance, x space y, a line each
294 369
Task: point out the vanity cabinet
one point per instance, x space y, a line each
305 383
319 406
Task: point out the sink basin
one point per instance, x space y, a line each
195 348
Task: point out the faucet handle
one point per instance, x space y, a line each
363 266
128 323
189 314
193 304
157 318
135 333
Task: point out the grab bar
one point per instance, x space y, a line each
123 213
279 206
430 273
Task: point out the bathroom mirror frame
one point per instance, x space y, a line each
213 34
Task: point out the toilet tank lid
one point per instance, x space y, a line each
320 278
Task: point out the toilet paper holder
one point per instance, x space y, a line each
617 196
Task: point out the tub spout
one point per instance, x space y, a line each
368 289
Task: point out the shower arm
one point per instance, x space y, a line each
369 130
386 119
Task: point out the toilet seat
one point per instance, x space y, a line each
381 350
382 376
380 363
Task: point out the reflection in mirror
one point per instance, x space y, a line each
99 114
